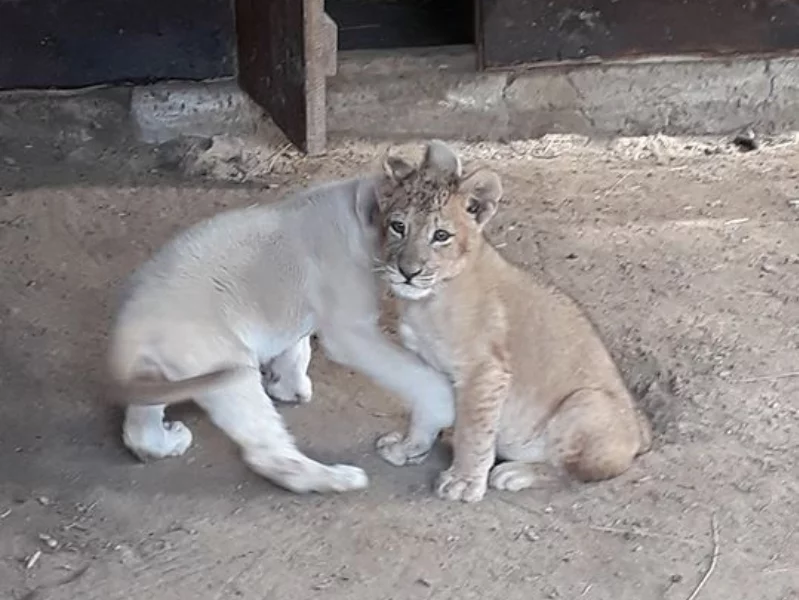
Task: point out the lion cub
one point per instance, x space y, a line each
245 289
534 383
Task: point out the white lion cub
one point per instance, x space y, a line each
246 289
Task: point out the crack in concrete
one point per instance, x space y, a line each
580 108
505 106
771 82
770 98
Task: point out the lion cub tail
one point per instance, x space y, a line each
146 391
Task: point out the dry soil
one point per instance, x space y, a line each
684 252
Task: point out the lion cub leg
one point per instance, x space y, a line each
287 376
595 435
477 416
363 347
149 437
145 432
246 414
527 465
592 436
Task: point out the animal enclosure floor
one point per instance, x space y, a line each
686 255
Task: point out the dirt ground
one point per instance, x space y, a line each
684 252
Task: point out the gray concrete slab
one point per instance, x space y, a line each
424 94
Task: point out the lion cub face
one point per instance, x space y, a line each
432 219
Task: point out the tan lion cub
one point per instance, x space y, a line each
534 383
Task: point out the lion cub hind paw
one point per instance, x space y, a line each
466 488
172 438
395 449
513 476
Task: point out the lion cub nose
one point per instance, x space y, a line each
407 273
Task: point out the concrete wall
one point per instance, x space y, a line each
423 94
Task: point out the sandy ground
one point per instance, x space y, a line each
684 252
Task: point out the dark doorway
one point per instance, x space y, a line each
529 31
373 24
76 43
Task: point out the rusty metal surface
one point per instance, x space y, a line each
521 31
281 67
75 43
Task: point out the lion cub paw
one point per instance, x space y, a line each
514 476
346 478
456 486
298 390
172 438
396 449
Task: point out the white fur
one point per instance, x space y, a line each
247 288
147 435
410 292
287 378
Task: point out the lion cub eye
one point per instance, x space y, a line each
440 235
398 227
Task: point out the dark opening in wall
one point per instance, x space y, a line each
373 24
74 43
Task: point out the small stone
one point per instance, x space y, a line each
49 541
44 500
531 535
768 268
746 141
322 585
423 582
31 561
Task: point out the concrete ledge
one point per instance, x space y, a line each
168 110
424 94
427 104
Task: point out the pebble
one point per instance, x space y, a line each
31 561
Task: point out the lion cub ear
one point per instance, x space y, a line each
483 191
442 159
395 169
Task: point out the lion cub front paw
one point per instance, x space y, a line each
452 485
396 449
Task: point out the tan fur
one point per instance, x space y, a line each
534 383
